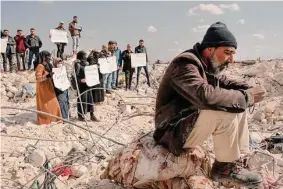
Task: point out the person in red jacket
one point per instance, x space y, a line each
20 49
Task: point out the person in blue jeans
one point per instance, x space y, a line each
33 43
142 49
107 78
115 74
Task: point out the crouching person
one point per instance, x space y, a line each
62 96
85 101
194 102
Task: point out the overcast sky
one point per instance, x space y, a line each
168 28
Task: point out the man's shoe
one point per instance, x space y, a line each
80 118
108 92
233 174
94 118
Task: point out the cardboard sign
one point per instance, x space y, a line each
58 36
3 45
60 78
138 59
91 75
108 65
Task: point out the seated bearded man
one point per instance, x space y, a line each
194 102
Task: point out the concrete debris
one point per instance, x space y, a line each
37 158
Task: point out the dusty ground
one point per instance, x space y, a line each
123 115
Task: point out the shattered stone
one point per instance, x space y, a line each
270 107
10 95
259 116
79 170
279 78
37 158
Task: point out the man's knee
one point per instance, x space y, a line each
219 117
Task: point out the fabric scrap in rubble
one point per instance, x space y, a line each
144 164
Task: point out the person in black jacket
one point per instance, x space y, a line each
142 49
127 67
60 46
33 43
85 101
98 94
10 53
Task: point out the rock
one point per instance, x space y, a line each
270 107
79 170
54 162
3 93
278 78
259 70
18 94
29 89
259 116
12 89
37 158
127 109
10 95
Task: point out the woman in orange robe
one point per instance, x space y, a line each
46 100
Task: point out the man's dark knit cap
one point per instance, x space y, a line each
218 35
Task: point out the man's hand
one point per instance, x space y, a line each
258 93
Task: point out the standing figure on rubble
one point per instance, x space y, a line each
46 100
85 103
127 67
98 94
195 102
10 53
62 96
75 32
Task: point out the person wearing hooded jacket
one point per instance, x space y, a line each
98 94
85 100
46 100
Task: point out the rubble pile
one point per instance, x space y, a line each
17 86
124 115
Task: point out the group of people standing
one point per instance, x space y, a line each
18 48
23 49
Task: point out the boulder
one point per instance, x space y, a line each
10 95
37 158
79 170
259 116
270 107
278 78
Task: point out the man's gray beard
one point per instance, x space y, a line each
213 66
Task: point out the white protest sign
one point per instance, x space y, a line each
138 59
58 36
60 78
91 75
108 65
3 45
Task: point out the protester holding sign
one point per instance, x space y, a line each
127 67
75 32
85 98
10 51
98 94
60 46
142 49
62 95
46 100
107 77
